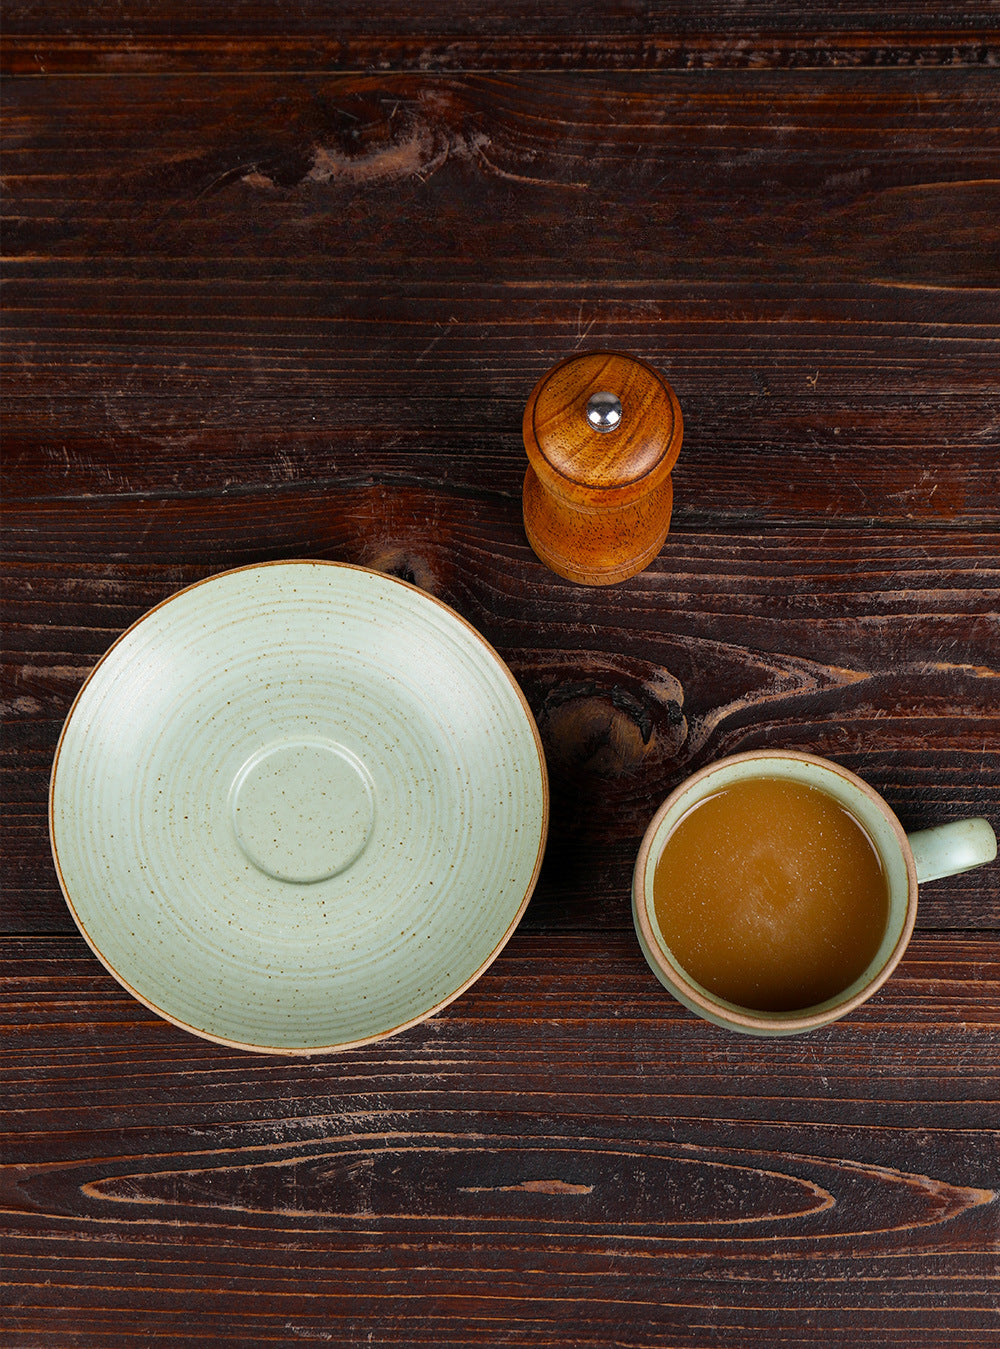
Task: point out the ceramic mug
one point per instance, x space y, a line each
906 861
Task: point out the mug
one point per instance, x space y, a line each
905 861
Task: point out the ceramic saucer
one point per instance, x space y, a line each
298 806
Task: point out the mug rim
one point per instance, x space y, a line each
718 1009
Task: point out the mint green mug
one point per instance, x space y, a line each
907 861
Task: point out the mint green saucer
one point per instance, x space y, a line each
298 807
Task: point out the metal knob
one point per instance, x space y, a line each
604 411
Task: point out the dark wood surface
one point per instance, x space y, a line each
278 282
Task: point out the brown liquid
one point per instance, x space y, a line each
771 895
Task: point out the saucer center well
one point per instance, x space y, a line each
302 811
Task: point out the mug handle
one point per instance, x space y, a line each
948 849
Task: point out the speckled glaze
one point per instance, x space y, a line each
298 806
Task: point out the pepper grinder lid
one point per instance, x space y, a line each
602 430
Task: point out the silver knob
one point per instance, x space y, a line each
604 411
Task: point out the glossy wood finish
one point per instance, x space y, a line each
598 499
279 283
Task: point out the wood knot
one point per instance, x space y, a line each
374 137
365 122
601 731
608 729
406 566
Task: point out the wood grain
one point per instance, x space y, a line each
606 1170
597 501
809 264
278 282
115 38
881 179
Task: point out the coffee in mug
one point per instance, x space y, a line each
775 892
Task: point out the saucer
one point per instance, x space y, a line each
298 806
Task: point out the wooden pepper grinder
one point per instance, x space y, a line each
602 431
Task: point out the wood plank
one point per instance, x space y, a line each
210 37
749 461
840 176
563 1155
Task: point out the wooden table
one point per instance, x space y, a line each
279 282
